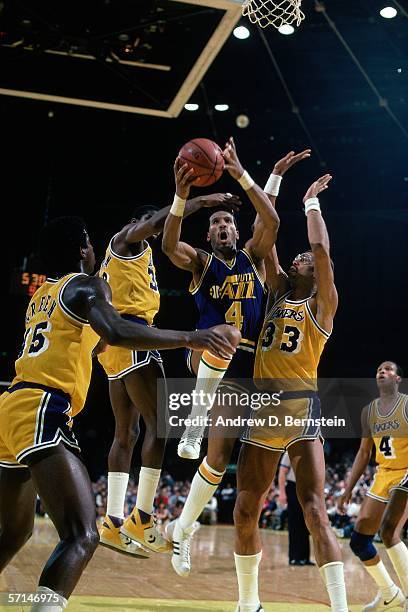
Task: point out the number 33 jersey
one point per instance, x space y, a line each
290 346
133 282
57 345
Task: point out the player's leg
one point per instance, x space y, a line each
307 459
361 543
119 460
204 484
394 519
17 510
141 387
209 370
256 470
63 484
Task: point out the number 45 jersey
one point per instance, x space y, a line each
290 346
57 345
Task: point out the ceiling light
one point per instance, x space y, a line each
191 107
388 12
221 107
241 32
399 70
286 29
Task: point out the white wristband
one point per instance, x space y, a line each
177 208
312 204
273 184
246 181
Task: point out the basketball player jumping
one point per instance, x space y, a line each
228 285
385 506
128 267
53 370
299 320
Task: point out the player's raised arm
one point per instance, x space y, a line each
359 464
267 221
276 278
90 298
183 255
326 296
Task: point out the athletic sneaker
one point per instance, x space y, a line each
260 609
379 603
141 527
111 537
181 539
190 443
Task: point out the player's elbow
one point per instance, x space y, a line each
111 336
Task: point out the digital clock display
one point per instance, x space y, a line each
26 283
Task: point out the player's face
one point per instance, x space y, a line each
222 231
387 374
302 265
88 257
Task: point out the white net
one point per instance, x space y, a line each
273 12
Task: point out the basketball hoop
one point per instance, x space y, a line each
273 12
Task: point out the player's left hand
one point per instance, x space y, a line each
315 188
232 163
218 199
290 160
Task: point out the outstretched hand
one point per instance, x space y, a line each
232 163
219 199
290 160
318 186
184 178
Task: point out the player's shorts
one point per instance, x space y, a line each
33 417
118 362
387 480
277 427
241 367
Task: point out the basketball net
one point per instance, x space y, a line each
273 12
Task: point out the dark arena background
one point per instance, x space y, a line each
94 109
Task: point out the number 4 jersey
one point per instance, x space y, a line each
290 346
390 433
57 345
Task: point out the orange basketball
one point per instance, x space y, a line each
205 156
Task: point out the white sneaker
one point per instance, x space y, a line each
259 609
181 539
379 603
190 444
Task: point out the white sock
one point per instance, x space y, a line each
117 487
54 602
247 574
399 558
382 578
205 482
333 577
146 489
211 371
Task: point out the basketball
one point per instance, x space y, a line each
205 156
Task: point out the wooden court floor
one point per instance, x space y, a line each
113 582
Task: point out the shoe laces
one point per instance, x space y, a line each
193 434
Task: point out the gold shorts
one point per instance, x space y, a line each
32 419
118 362
387 480
294 419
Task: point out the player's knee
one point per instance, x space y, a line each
85 542
362 546
127 438
246 511
315 513
388 532
231 333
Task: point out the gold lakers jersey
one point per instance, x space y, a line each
133 283
390 433
57 345
290 345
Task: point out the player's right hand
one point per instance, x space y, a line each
218 199
184 178
343 501
290 160
212 340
